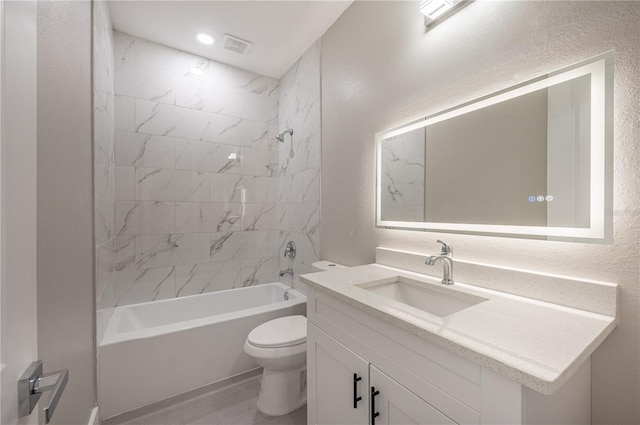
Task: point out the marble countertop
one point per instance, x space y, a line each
536 343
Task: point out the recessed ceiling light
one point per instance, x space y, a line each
204 38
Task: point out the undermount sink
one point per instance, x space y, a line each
440 302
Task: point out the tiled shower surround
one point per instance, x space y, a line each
103 164
299 199
198 173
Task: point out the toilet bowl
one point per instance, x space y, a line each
280 347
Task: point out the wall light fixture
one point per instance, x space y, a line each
437 11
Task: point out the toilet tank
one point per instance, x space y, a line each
321 266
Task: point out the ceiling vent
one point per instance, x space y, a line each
235 44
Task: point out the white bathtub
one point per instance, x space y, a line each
156 350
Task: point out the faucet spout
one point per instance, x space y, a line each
288 271
447 266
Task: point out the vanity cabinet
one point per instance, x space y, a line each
349 390
353 354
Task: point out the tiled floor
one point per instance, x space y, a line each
234 405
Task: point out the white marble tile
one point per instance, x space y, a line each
125 79
259 270
104 220
156 184
103 134
194 93
123 48
236 79
291 188
310 249
173 249
310 118
311 185
136 286
207 277
226 188
306 155
273 188
144 150
154 84
168 59
259 217
124 109
105 266
255 189
257 162
223 100
258 84
144 218
239 245
167 120
125 183
304 217
205 156
238 132
125 252
192 217
282 211
226 246
251 189
256 107
104 182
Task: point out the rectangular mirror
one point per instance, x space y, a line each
533 160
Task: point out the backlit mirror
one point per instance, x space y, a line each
532 160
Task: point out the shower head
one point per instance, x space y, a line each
280 137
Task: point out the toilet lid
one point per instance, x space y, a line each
282 332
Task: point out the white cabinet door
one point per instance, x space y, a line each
338 382
394 404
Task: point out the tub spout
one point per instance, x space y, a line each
288 271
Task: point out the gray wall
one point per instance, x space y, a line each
380 70
66 303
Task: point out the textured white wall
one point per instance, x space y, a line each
66 291
380 69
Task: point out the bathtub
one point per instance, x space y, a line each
156 350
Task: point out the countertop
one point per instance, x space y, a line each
536 343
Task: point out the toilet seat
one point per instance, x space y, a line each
278 333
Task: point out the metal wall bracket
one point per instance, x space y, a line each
33 383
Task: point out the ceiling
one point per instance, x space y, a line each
281 31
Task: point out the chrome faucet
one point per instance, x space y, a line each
288 271
290 250
447 263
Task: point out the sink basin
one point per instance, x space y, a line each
438 301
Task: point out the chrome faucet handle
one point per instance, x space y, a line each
290 250
446 248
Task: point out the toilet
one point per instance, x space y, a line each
280 347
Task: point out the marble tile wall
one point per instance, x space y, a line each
403 192
197 174
298 208
104 165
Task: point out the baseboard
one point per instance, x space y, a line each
153 407
94 419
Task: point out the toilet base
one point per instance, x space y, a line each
282 392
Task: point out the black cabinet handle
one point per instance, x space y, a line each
356 399
374 414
